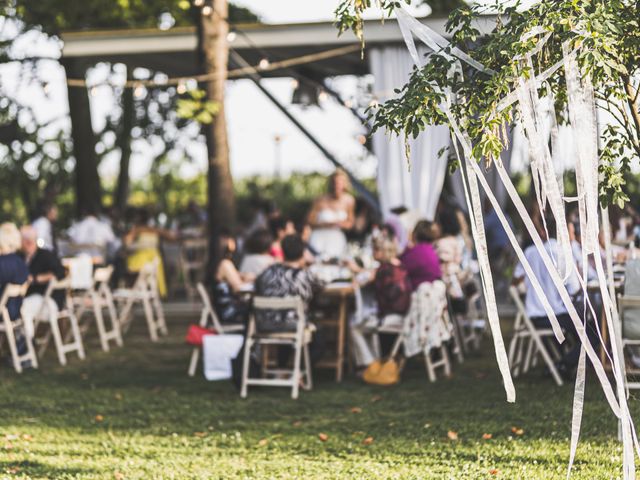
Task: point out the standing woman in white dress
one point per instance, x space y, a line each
331 215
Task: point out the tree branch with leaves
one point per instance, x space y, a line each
605 35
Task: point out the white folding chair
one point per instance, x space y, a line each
208 313
629 308
527 343
96 299
144 291
193 258
48 316
8 327
470 326
421 305
299 340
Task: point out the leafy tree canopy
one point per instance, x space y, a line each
605 34
55 16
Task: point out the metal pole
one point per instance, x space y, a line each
369 197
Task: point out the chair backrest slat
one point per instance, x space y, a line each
277 303
13 290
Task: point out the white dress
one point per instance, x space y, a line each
329 242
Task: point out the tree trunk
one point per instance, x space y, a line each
88 190
215 50
124 144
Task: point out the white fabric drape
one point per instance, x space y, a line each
417 184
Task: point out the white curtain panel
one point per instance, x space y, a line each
416 184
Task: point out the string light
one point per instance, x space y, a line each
348 103
207 10
294 83
322 96
362 139
138 91
231 36
182 88
264 63
373 103
198 3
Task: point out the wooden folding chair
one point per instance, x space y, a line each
96 299
209 314
401 328
299 340
8 327
45 315
144 291
527 343
193 258
629 308
470 326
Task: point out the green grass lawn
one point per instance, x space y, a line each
134 413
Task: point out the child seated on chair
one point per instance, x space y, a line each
392 294
533 305
289 278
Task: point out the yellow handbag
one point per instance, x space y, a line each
382 373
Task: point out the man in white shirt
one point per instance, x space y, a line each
92 232
43 226
533 305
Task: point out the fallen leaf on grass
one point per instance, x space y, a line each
13 470
8 446
117 396
356 410
494 471
263 442
118 476
26 437
517 431
427 425
11 436
452 435
487 436
323 437
367 441
200 434
376 398
99 418
297 423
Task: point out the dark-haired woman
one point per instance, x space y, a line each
228 282
257 257
421 260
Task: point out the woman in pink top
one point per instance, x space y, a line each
421 260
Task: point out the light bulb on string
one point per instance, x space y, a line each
323 96
198 3
138 91
231 36
207 10
373 103
181 88
362 140
348 103
264 63
294 83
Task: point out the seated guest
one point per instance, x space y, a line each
44 225
13 268
533 304
257 257
280 227
227 283
391 296
91 231
450 248
290 278
421 260
44 266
